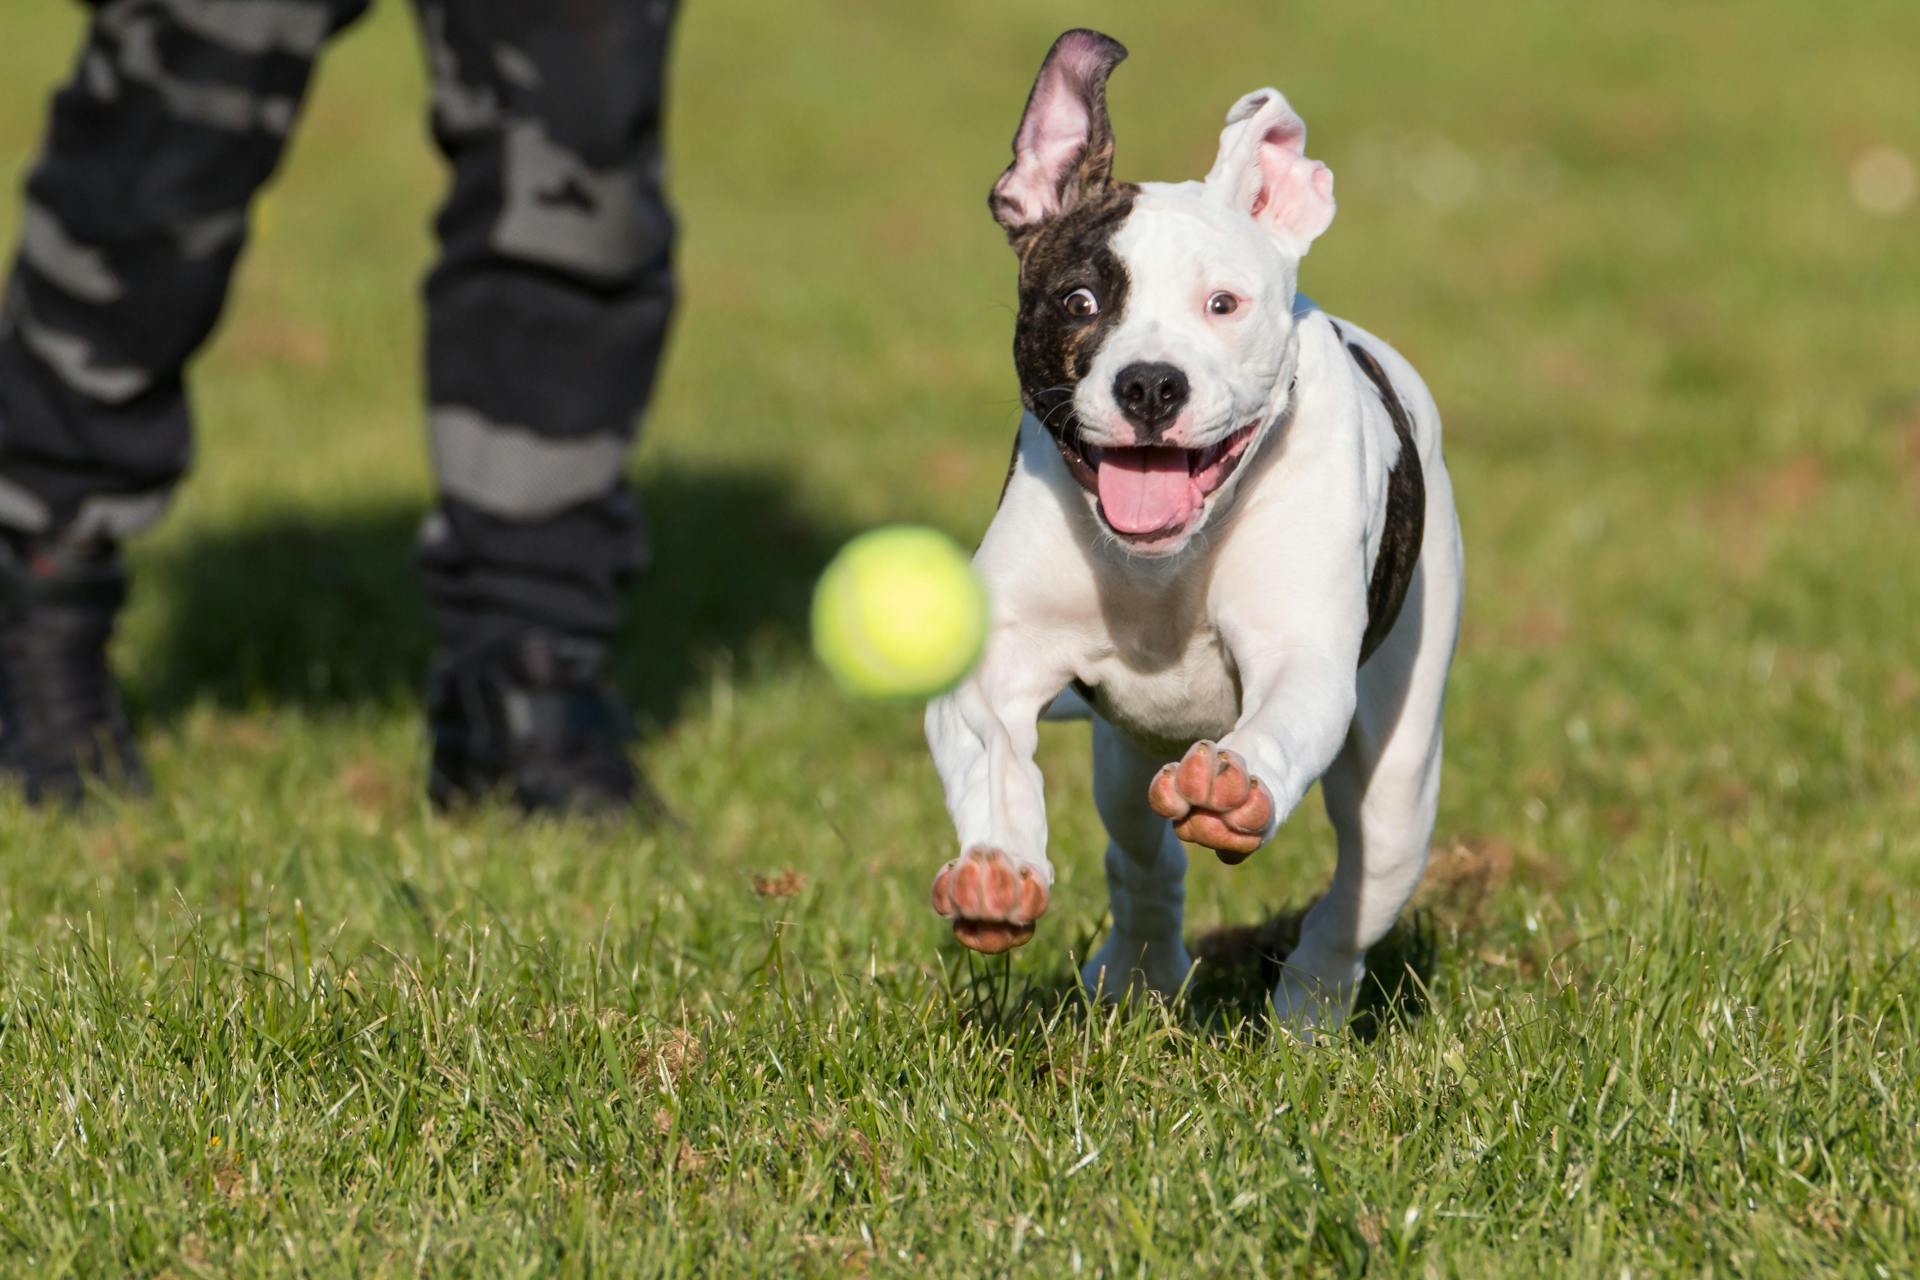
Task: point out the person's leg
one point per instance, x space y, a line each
135 215
547 312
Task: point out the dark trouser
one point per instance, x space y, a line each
546 310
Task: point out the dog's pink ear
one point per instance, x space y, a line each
1263 169
1064 149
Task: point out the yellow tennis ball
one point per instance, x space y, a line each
899 613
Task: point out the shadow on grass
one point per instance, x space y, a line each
1240 964
1238 968
324 609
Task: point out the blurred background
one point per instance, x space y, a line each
1657 261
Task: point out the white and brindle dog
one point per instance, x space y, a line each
1227 532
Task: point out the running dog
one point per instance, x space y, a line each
1227 534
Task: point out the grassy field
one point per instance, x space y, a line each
1659 1013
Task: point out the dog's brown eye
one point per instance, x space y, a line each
1081 303
1223 304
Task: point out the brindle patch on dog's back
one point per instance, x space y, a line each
1406 522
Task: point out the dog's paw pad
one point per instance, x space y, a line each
1213 801
991 901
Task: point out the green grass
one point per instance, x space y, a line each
1658 1014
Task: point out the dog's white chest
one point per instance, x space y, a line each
1163 675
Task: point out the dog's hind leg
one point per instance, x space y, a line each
1146 876
1381 793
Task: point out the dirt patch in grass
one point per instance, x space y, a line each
781 884
1742 512
374 789
668 1055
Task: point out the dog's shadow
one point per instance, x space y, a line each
323 610
1238 966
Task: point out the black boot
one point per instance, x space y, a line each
61 721
530 714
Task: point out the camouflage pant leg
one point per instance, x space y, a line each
135 214
548 307
547 310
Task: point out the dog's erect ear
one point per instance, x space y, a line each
1262 169
1064 149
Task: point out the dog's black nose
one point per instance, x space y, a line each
1150 395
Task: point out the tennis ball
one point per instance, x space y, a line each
899 613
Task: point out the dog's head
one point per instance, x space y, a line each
1155 338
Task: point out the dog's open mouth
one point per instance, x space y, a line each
1153 492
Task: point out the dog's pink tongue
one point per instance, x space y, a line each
1145 490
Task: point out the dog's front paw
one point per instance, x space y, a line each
991 901
1212 800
